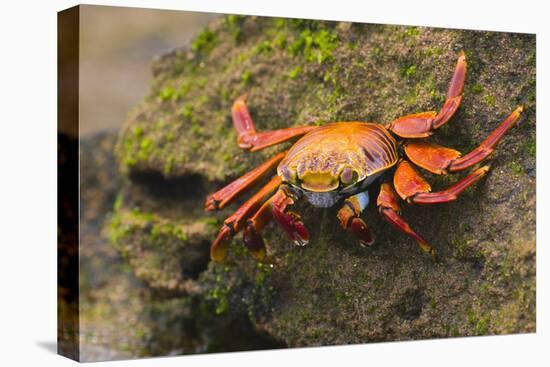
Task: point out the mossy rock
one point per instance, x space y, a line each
179 144
122 315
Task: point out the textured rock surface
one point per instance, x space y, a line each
178 145
126 316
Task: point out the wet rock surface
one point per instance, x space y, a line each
178 145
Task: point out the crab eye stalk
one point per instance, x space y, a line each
348 176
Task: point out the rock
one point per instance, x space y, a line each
179 145
122 316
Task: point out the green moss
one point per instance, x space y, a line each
187 111
246 77
169 165
167 229
205 42
477 88
145 149
531 147
532 58
482 326
314 46
197 130
434 51
217 296
167 93
125 224
233 24
263 48
516 167
170 136
138 132
293 74
139 216
181 91
118 202
262 274
411 98
341 296
410 71
146 145
329 77
280 40
412 31
489 100
116 230
470 316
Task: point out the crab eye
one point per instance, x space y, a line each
288 176
348 176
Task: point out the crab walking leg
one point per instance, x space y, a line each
389 208
289 221
349 217
235 222
222 197
249 139
274 208
442 160
413 188
252 238
420 125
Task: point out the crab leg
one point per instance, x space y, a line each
413 188
420 125
249 139
222 197
274 208
252 238
349 216
442 160
289 221
389 208
235 222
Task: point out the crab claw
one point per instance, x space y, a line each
293 225
254 242
360 229
218 250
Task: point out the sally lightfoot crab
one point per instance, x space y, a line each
335 163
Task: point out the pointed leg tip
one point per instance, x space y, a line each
365 244
301 234
483 170
218 249
425 246
301 239
211 205
254 242
218 255
519 109
291 223
360 229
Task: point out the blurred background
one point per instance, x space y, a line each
117 46
119 317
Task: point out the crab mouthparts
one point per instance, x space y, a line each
319 182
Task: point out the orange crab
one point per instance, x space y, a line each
335 163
